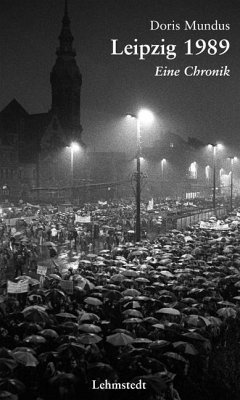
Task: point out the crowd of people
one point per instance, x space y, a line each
163 312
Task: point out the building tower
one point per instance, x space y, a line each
66 81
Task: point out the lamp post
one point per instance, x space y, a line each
214 148
142 116
232 159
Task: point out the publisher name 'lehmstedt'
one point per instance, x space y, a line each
189 26
192 71
107 385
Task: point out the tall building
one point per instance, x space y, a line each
40 141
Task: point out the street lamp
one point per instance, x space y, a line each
143 116
214 148
163 162
74 146
232 159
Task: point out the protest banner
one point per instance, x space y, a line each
41 270
82 219
19 287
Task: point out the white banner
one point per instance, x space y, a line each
82 220
41 270
19 287
214 226
150 205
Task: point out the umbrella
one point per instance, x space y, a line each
198 320
131 292
194 336
7 362
175 356
141 341
132 321
132 313
185 347
5 395
26 358
23 348
66 315
55 276
49 333
169 311
36 314
85 317
13 385
70 350
5 353
35 339
93 301
119 339
227 312
89 338
159 344
113 295
99 369
89 328
130 272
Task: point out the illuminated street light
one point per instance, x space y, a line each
143 116
207 172
163 162
74 147
232 159
214 148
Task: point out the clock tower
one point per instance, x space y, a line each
66 81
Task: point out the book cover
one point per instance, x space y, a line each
71 72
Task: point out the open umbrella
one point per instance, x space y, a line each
25 358
93 301
35 339
49 333
119 339
131 292
185 347
12 385
169 311
87 317
89 328
89 338
36 314
70 350
66 316
227 312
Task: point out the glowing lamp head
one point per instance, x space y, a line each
145 116
74 146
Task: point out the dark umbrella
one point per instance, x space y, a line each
12 385
89 338
70 350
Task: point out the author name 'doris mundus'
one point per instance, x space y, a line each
189 26
192 71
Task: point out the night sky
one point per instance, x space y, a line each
206 108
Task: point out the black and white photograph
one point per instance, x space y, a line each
119 200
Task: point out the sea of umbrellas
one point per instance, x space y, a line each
157 311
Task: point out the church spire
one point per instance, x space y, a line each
66 8
66 37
